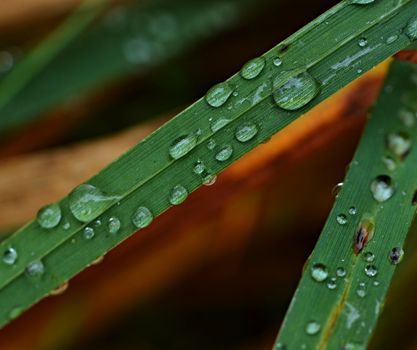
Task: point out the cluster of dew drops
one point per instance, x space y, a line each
382 188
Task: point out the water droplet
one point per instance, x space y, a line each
280 346
332 284
66 225
369 257
352 211
218 95
371 270
49 216
211 144
10 256
362 42
277 61
353 346
396 255
336 189
224 153
97 223
113 225
219 123
297 92
86 202
389 163
407 117
88 232
341 219
15 313
399 143
142 217
382 188
199 167
411 29
364 234
340 272
313 328
209 179
319 272
253 68
35 269
361 2
182 145
59 290
375 283
246 132
178 195
391 39
361 291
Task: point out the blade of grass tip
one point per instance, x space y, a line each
128 40
342 291
189 151
41 56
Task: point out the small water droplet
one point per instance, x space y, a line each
113 225
224 153
182 146
336 189
342 219
369 257
246 132
391 39
280 346
178 195
97 223
219 123
35 269
399 143
59 290
319 272
353 346
382 188
362 42
199 167
389 163
411 29
15 313
361 291
209 179
364 234
396 255
277 61
332 284
253 68
218 95
10 256
371 270
312 328
142 217
88 232
49 216
211 144
86 202
297 92
66 225
375 283
340 272
352 211
407 117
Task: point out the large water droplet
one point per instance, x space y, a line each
246 132
382 188
49 216
224 153
113 225
341 219
218 95
399 143
178 195
88 232
313 328
396 255
35 269
253 68
10 256
182 145
361 2
297 92
86 202
142 217
217 124
371 270
319 272
411 29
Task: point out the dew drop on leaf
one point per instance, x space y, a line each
182 145
88 232
219 123
199 167
362 42
369 257
35 269
382 188
253 68
142 217
209 179
319 272
340 272
361 2
178 195
10 256
371 270
49 216
352 211
396 255
211 144
332 284
224 153
277 61
113 225
246 132
312 328
297 92
411 29
399 143
218 95
342 219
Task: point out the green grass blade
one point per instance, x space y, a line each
128 40
345 309
318 60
